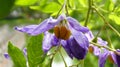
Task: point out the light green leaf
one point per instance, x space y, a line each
115 18
83 3
111 5
61 1
25 2
34 51
51 7
16 55
5 7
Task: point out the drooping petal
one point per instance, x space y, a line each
66 46
75 24
102 58
77 51
42 27
48 41
80 38
113 57
26 29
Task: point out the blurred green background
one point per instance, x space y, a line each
25 12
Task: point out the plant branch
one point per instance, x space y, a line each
88 13
102 46
106 21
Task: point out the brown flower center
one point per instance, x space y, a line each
62 32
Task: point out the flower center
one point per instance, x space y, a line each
62 32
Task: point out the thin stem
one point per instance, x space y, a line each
53 55
61 9
63 58
103 46
109 40
106 21
82 64
88 13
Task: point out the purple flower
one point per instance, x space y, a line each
114 56
67 32
96 50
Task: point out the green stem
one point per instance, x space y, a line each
63 58
109 40
102 46
88 13
82 64
106 21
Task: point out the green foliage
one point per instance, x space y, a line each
115 18
25 2
34 51
5 7
16 55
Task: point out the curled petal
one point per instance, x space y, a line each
77 51
75 24
102 58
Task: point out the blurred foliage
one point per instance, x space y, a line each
20 12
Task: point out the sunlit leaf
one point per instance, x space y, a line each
25 2
5 7
115 18
34 51
111 5
16 55
51 7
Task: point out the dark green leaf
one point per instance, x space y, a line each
16 55
34 51
5 7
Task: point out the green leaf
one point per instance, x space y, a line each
61 1
16 55
34 51
5 7
115 18
51 7
111 5
25 2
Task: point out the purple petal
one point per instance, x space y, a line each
96 51
102 42
25 51
77 51
49 41
113 57
75 24
80 38
89 35
118 58
42 27
6 55
26 29
66 46
102 58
